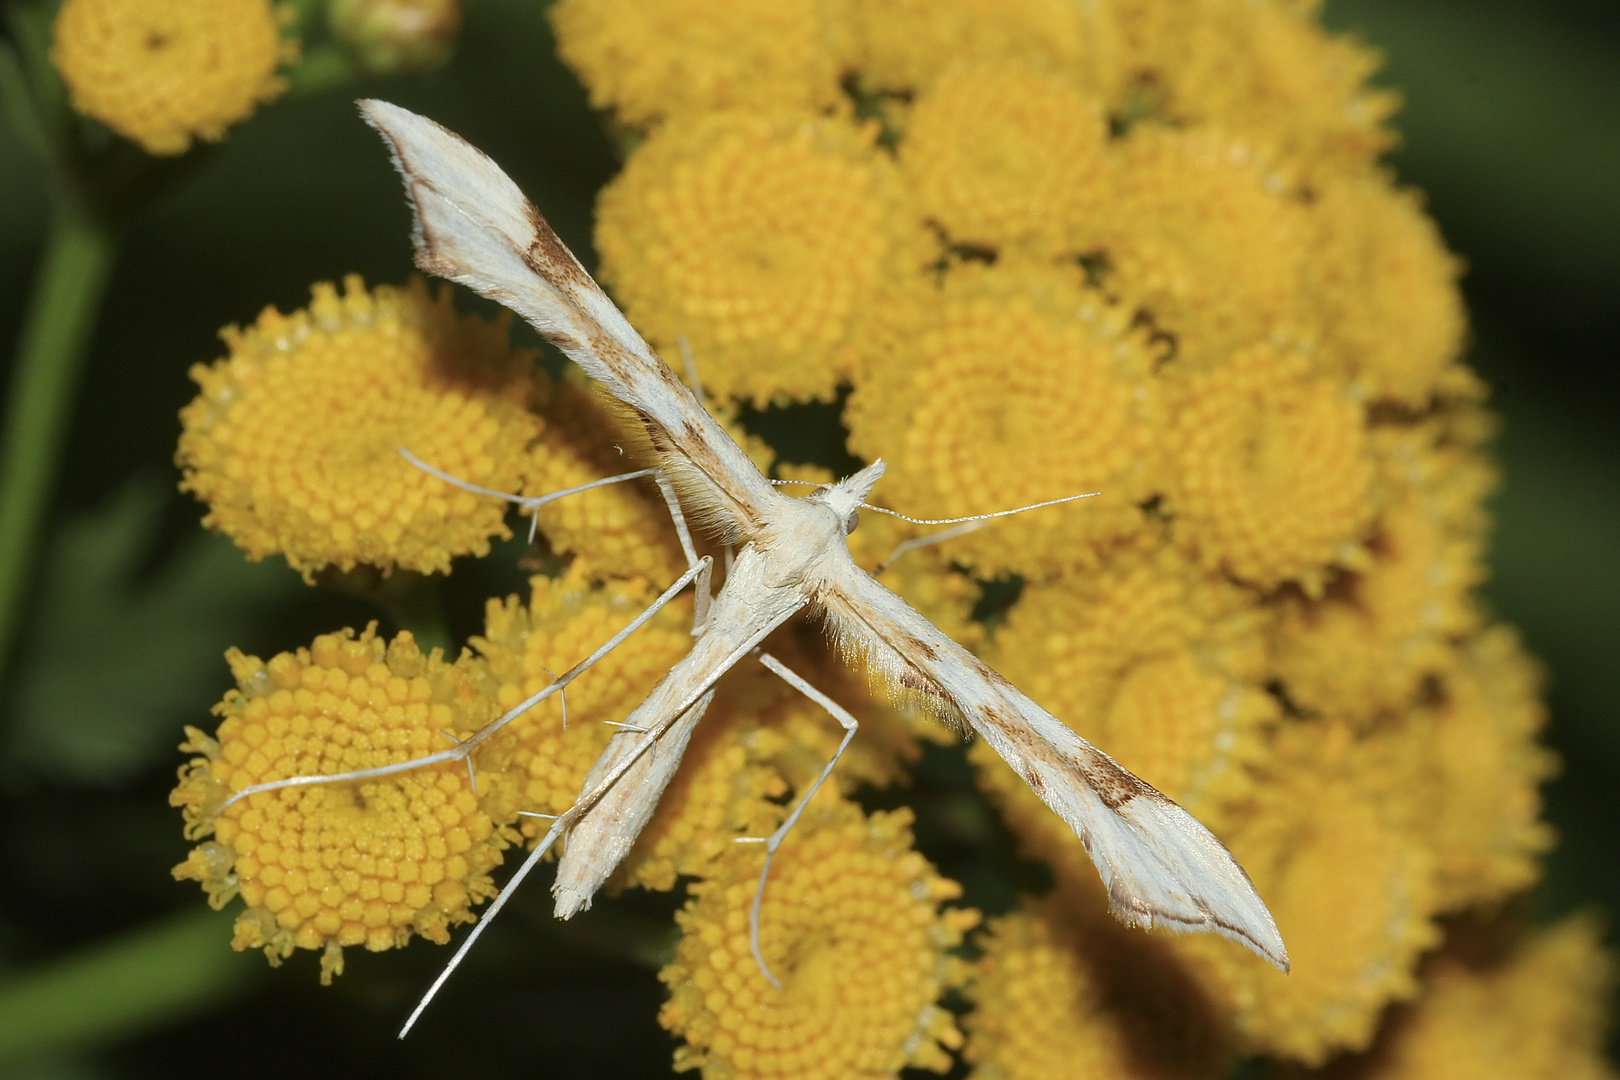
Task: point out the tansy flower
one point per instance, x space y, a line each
294 440
1019 385
758 238
566 619
164 72
1267 69
1270 470
1006 155
1353 895
1537 1013
647 61
1386 288
1205 237
903 45
852 927
390 37
1366 647
1055 999
1151 660
368 863
1481 806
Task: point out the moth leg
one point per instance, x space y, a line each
774 841
528 504
462 750
700 607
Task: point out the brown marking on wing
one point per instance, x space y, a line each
1114 785
549 257
1033 779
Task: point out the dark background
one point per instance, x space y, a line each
1512 127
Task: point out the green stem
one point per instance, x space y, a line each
72 278
158 973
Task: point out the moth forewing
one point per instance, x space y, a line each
1158 863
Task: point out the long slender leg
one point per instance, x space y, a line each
774 841
472 742
700 609
926 541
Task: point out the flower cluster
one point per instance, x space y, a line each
165 72
1131 247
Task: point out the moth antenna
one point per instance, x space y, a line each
978 517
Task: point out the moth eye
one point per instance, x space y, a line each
820 491
851 521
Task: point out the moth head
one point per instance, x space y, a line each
845 496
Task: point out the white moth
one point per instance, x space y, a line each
474 227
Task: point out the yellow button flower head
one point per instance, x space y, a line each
1352 893
906 44
1387 290
367 863
1483 801
1155 661
165 72
1366 647
1052 1000
294 440
566 619
758 238
1537 1013
1206 238
851 925
622 530
647 61
1006 155
1271 471
1019 385
1267 69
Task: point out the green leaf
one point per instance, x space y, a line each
115 664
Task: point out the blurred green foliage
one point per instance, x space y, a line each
109 968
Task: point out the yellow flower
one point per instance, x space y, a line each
1387 289
901 45
294 440
1055 998
1267 69
368 863
652 60
566 619
1368 645
622 530
1206 238
851 925
390 37
758 239
1537 1014
1017 385
1006 155
1353 895
163 72
1271 471
1153 661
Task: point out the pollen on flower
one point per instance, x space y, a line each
1353 894
165 72
1006 155
1270 469
365 863
567 618
758 239
851 925
1019 386
1205 238
294 440
647 61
